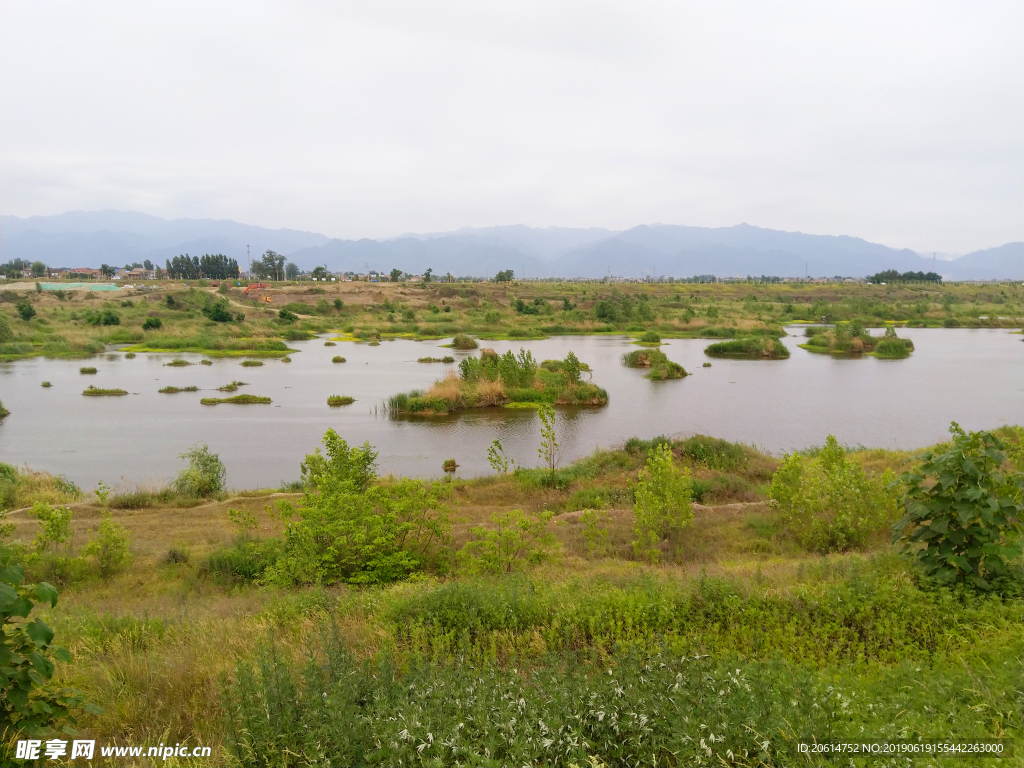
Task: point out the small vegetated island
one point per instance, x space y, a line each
98 392
853 340
660 367
509 380
753 348
236 400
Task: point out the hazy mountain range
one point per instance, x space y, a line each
80 239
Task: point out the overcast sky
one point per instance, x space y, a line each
899 122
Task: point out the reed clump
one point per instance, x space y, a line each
252 363
87 370
338 400
176 390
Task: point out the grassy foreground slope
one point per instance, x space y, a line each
735 646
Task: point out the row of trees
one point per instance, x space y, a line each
895 276
215 266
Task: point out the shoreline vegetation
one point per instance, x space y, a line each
638 594
168 317
508 380
657 362
853 340
759 348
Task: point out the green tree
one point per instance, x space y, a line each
396 275
662 503
963 517
320 273
428 275
497 459
504 276
571 368
828 503
38 269
548 450
106 270
291 270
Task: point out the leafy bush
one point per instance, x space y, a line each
245 562
517 539
713 453
25 309
964 511
152 323
650 337
287 316
30 703
353 531
205 475
110 548
103 317
218 311
662 503
828 503
463 341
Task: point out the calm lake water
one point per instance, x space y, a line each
975 377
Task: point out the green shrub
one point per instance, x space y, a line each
25 309
463 341
963 517
650 337
828 503
662 504
88 370
252 363
103 317
205 475
245 562
336 400
516 540
353 531
338 359
713 453
218 311
109 548
287 316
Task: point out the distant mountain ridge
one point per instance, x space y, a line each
83 238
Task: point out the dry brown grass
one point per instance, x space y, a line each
448 389
491 393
